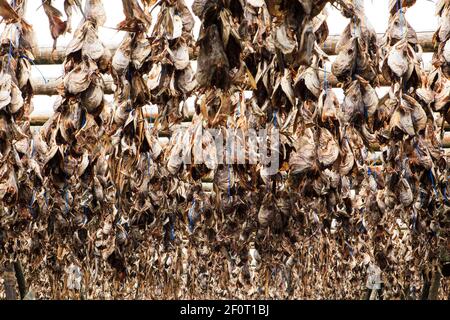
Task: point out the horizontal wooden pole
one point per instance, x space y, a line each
46 55
53 86
424 38
376 149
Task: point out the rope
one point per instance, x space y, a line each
83 119
13 4
10 53
33 149
34 64
46 198
432 182
445 191
172 232
30 206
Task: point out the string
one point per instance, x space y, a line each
46 198
172 232
432 182
150 118
34 64
33 150
445 191
13 4
32 212
10 53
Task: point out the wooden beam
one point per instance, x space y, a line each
46 55
9 281
425 39
53 86
20 279
435 284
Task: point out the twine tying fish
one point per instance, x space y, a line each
402 19
172 232
23 56
432 182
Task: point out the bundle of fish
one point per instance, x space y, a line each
58 26
148 68
108 211
20 174
413 172
76 193
439 82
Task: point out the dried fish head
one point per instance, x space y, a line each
307 84
122 56
353 106
328 149
78 80
93 97
345 61
397 59
347 160
328 104
212 62
303 159
405 193
92 46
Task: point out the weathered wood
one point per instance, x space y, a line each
425 39
20 279
53 86
45 55
435 284
9 281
